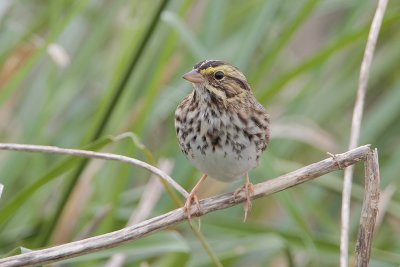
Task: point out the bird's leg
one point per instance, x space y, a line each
193 197
248 189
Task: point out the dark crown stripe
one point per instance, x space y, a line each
205 64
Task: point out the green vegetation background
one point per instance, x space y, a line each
75 73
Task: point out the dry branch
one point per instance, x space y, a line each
369 210
171 218
356 126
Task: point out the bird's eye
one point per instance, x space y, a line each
219 75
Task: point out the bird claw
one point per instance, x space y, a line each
193 197
248 189
187 207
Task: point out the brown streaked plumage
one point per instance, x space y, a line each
221 128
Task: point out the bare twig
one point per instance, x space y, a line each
158 223
369 210
166 179
356 127
98 155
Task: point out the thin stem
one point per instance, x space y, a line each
356 127
205 245
98 155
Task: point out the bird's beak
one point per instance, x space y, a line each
193 76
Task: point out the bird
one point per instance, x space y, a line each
221 127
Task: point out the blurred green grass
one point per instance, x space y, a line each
72 73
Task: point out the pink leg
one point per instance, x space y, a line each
193 197
248 189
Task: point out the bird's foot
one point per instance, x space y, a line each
192 198
248 189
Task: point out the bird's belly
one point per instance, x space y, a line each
226 163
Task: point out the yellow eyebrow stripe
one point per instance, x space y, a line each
229 71
210 70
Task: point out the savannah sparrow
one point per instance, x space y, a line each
221 127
